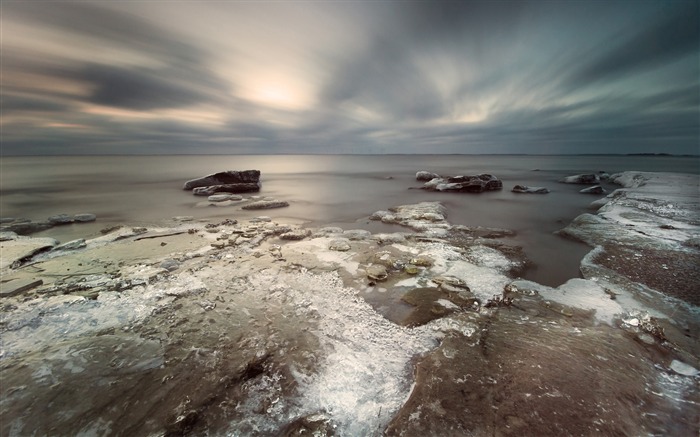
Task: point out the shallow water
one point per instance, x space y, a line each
322 189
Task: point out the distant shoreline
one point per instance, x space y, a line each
661 155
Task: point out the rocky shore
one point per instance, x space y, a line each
265 328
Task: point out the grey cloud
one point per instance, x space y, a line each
13 103
675 35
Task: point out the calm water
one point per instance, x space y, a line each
322 190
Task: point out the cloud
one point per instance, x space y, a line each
673 36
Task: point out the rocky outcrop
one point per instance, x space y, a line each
224 178
27 227
583 179
529 190
465 184
243 187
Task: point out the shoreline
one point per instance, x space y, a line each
281 322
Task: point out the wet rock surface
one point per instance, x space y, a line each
464 184
529 190
223 178
230 329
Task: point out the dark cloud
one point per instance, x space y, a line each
674 36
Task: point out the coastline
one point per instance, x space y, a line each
231 328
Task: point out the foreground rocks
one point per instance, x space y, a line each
28 227
261 328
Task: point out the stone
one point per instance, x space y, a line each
529 190
15 251
586 179
26 227
85 218
422 261
8 236
219 198
13 288
426 176
225 177
377 272
6 220
266 204
261 219
593 190
339 244
411 269
170 265
243 187
357 234
71 245
60 219
465 184
296 234
183 218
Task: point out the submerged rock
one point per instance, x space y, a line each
225 177
242 187
377 272
529 190
266 204
586 179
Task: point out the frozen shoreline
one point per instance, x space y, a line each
231 329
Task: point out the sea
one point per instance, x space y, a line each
323 190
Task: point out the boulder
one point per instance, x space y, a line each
84 218
426 176
585 179
225 177
529 190
597 189
266 204
377 272
465 184
339 245
60 219
242 187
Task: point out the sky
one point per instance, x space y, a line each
370 77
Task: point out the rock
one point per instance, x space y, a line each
422 260
582 179
266 204
529 190
389 238
384 216
593 190
227 188
8 236
7 220
170 265
84 218
683 369
26 228
339 244
71 245
261 219
357 234
411 269
13 288
60 219
183 218
15 251
219 197
426 176
377 272
465 184
450 283
297 234
222 178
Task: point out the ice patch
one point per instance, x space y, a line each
584 294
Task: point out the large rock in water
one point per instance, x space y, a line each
465 184
586 179
426 175
529 190
243 187
224 177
